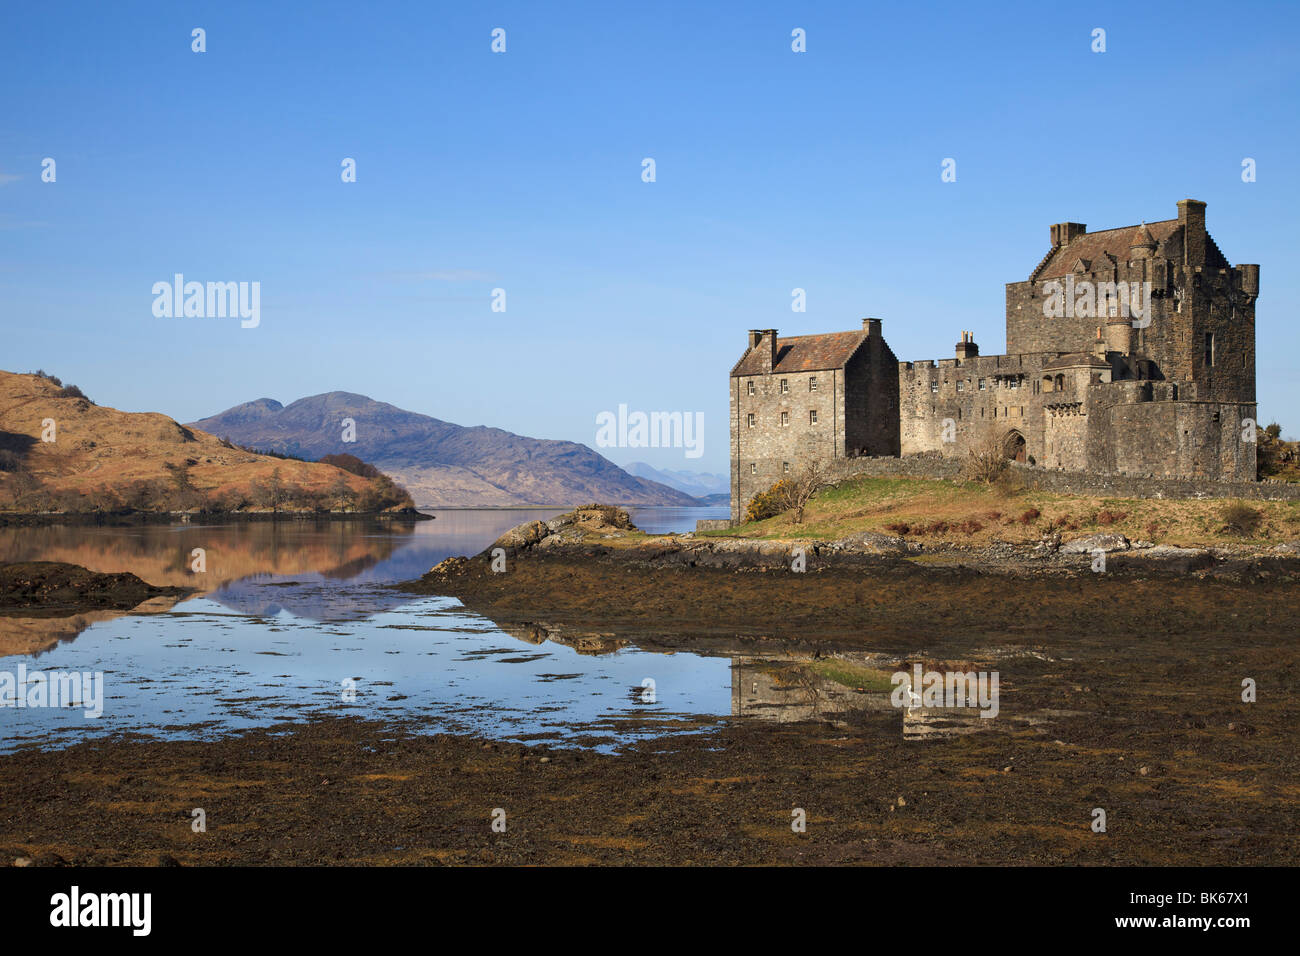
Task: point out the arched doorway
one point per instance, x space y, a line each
1013 446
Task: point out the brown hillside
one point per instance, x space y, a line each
105 459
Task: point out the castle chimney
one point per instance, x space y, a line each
967 348
1191 213
1063 232
766 338
871 327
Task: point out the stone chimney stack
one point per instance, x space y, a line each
766 340
1063 232
871 327
967 348
1191 213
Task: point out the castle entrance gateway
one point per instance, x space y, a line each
1013 446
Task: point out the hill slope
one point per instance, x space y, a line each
105 459
440 463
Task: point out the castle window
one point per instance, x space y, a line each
751 386
753 468
785 467
812 384
751 419
982 385
934 387
785 386
812 416
1013 383
1209 349
961 386
785 419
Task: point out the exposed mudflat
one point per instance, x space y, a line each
1190 788
849 599
1118 693
54 588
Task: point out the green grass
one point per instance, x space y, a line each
850 674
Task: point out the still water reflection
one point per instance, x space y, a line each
291 616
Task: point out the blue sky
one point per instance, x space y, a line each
522 171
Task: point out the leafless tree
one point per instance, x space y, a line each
810 480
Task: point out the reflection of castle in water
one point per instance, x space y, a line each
785 692
781 691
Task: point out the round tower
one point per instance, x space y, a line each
1119 335
1144 244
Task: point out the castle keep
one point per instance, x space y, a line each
1130 351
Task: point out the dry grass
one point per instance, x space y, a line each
99 451
979 514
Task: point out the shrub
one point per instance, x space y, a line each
352 464
788 494
1241 519
71 391
1030 514
1008 483
1108 517
770 503
985 460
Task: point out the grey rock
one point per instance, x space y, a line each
1096 542
522 536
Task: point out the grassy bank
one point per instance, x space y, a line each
978 514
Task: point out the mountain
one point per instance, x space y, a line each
61 452
699 484
439 463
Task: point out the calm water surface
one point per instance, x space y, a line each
291 612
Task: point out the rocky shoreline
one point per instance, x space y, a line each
590 568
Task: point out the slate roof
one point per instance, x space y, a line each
1076 360
803 353
1094 247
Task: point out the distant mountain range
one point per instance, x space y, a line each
441 464
700 484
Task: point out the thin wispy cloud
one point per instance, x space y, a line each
7 178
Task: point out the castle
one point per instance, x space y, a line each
1130 351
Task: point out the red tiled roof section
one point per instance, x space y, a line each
1093 247
803 353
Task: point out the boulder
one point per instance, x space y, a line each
1097 542
871 542
522 536
1172 551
